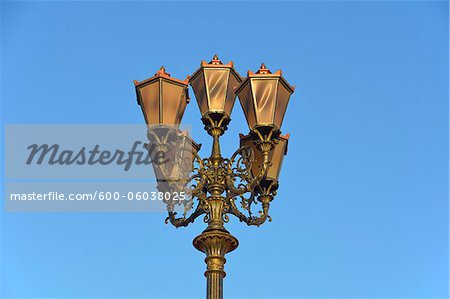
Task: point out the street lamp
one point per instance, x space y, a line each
162 98
214 86
218 185
264 98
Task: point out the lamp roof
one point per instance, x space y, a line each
215 63
265 73
161 73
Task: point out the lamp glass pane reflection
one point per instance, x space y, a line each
264 98
163 99
214 85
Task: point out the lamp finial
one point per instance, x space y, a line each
215 60
263 69
162 71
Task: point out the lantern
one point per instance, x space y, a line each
264 98
163 99
214 86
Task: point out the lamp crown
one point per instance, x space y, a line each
215 60
263 70
162 71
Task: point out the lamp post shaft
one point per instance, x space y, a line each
214 276
215 244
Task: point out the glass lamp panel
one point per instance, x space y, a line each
264 93
216 86
162 166
282 101
246 100
163 171
172 95
276 158
257 164
233 83
183 158
257 155
182 107
159 171
149 99
198 85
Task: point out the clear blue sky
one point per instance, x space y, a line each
362 209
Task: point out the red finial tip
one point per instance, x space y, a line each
263 69
162 71
215 60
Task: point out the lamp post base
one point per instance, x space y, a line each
215 244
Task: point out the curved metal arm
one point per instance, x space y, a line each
252 220
183 221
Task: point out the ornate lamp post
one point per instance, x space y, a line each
217 184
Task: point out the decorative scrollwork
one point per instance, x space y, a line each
183 221
206 180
